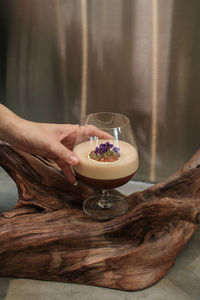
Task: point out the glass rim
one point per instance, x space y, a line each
127 121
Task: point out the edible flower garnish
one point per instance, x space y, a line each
105 153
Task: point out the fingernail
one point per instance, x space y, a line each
75 183
73 160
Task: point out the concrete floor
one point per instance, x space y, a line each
181 283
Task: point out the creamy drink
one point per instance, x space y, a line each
104 165
106 147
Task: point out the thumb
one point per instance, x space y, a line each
64 154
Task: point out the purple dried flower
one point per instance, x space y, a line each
106 148
108 145
116 149
96 150
106 152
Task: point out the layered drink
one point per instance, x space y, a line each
105 165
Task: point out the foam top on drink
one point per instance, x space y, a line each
126 165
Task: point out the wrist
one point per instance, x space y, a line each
10 125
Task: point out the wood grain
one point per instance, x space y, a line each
47 236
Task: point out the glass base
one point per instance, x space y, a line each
116 206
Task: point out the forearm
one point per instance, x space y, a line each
10 124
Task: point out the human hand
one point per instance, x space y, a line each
53 141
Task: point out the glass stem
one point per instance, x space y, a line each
105 201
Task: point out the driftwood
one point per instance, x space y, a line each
47 236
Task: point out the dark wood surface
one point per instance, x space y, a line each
47 236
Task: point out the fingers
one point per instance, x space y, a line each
59 151
67 171
64 154
68 130
64 158
91 130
